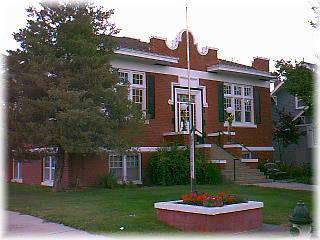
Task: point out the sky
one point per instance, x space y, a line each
240 29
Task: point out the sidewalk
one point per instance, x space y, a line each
21 225
287 185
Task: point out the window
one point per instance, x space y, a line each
137 89
246 155
237 90
237 108
49 167
116 165
240 99
299 103
124 76
247 91
227 102
137 96
137 78
125 167
227 89
248 110
17 170
184 117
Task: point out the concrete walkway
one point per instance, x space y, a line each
287 185
19 225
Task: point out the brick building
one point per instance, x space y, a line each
157 72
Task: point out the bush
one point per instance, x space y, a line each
108 180
171 167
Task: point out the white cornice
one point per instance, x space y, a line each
239 70
146 55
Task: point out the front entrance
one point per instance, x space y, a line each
185 116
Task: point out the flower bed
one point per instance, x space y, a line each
211 213
211 200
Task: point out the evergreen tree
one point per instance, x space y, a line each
62 89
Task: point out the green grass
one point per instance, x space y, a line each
105 210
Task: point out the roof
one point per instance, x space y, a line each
277 88
233 67
137 48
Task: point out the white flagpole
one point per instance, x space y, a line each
190 110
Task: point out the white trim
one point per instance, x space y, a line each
47 183
258 149
296 99
253 149
197 106
140 66
232 146
248 160
147 55
277 88
241 124
207 145
239 70
173 206
216 134
16 180
218 161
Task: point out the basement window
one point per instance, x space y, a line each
126 168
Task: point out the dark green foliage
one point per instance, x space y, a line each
299 80
62 89
108 180
172 167
293 171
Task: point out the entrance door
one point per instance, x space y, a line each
193 116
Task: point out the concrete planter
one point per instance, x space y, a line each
232 218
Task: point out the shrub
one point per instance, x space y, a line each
172 167
108 180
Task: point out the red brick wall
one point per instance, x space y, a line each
153 132
87 169
197 61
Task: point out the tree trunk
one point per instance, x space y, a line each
57 185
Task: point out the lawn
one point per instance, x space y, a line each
105 210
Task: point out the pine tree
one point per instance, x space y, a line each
62 90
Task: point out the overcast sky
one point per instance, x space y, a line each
240 29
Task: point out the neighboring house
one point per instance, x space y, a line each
282 100
157 71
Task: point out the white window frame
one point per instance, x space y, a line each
50 180
297 99
136 86
198 107
17 177
124 167
232 96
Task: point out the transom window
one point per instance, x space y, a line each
237 90
240 99
49 168
227 89
137 78
125 167
137 89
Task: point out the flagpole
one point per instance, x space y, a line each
191 128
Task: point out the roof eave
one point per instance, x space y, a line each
156 58
247 72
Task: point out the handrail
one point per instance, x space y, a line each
234 140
